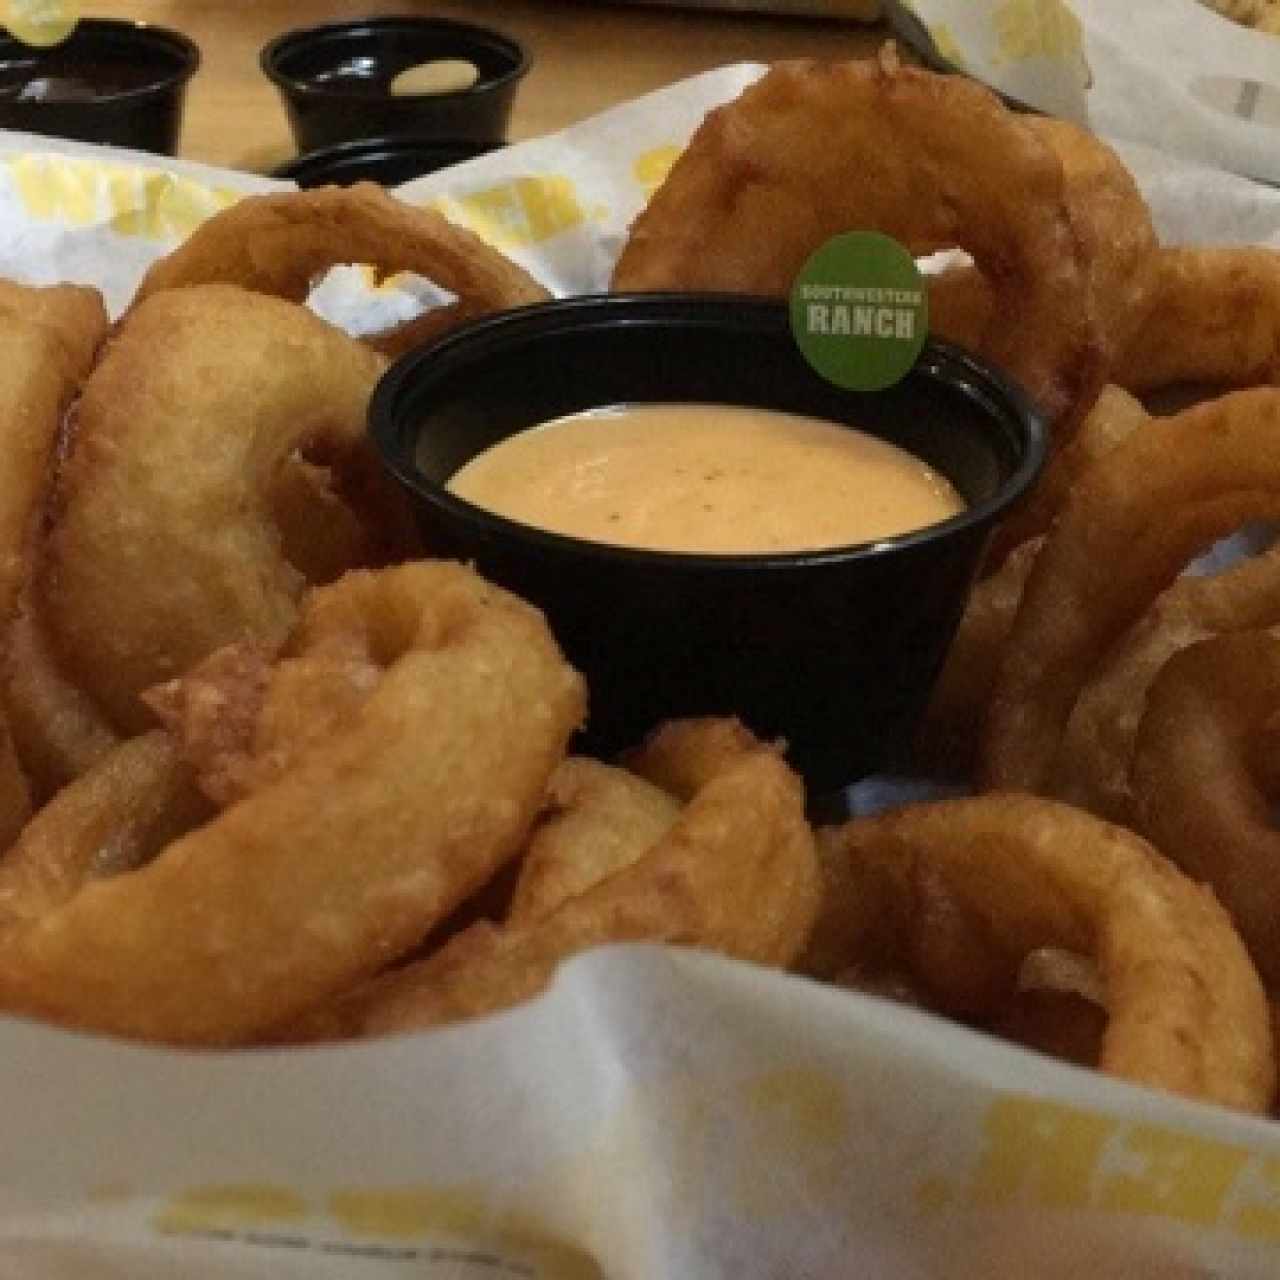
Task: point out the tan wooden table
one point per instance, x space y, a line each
587 56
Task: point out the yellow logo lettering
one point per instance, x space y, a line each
231 1206
1181 1177
1041 1151
1260 1219
523 212
651 167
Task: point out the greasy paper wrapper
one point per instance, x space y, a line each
657 1115
1172 74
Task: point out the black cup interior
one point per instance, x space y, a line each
127 80
833 650
335 80
389 161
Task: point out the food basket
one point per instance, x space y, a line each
656 1113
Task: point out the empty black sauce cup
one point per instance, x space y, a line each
834 651
335 80
122 84
389 161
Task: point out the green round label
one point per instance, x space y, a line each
860 311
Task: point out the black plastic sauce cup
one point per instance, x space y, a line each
334 80
122 84
835 650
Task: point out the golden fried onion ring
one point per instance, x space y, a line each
598 820
1127 530
391 814
281 243
115 817
815 149
1187 1012
165 543
1117 239
48 338
1211 317
735 873
59 731
1201 788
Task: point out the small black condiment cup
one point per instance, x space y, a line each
389 161
835 650
140 74
334 80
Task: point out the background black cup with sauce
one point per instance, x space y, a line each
122 84
835 650
335 80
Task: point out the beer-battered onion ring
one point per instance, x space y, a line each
946 740
48 338
282 242
1114 416
948 736
736 872
1211 317
1202 788
164 543
58 730
1126 531
597 820
1093 762
1117 238
393 813
1187 1012
813 149
1113 222
118 815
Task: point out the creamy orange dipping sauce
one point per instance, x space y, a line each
710 478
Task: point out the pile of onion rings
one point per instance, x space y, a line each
1083 599
247 728
814 149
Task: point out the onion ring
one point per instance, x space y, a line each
280 243
345 858
1125 533
812 149
735 873
947 738
48 338
1212 318
1112 221
1187 1010
1117 238
116 817
599 820
58 731
949 732
1115 415
1197 790
1092 768
164 547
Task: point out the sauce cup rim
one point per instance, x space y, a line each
938 359
274 48
181 44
